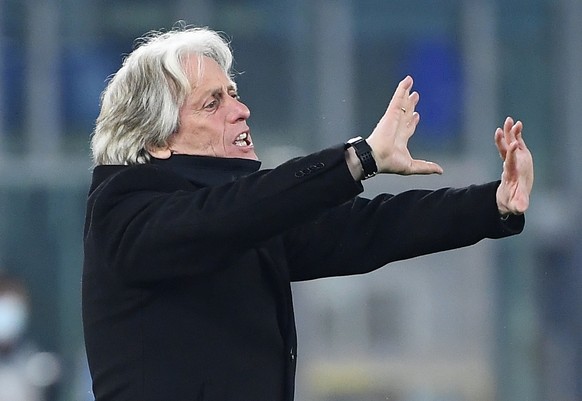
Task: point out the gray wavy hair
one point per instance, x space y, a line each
140 105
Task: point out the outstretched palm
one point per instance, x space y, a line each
389 140
518 175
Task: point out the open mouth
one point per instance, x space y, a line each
243 140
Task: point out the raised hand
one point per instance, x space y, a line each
518 174
389 140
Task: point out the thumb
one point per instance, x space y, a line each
425 167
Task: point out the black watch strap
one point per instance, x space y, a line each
364 153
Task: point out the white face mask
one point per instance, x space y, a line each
13 317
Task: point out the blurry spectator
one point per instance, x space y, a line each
25 373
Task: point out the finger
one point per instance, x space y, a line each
408 82
403 89
413 123
408 111
413 100
399 101
425 167
409 118
405 133
507 129
518 134
510 164
500 143
415 118
508 122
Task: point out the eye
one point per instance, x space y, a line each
212 105
235 95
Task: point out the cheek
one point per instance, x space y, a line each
211 128
202 131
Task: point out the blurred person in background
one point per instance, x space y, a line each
25 372
190 249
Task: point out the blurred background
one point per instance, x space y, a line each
498 321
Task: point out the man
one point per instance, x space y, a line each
190 250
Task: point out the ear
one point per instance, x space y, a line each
159 152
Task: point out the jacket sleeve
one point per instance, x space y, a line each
148 230
363 235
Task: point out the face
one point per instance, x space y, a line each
213 121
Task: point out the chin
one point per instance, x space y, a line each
245 153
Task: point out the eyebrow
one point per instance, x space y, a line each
214 92
217 91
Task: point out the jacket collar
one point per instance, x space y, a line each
207 170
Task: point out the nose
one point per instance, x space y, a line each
240 110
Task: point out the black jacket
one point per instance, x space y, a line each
188 264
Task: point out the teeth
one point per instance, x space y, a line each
241 140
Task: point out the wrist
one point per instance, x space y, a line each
354 164
364 154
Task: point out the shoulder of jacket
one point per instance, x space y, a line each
135 178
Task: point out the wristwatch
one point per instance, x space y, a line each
364 153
